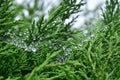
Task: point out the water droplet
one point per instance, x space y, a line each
50 47
26 49
34 39
40 38
34 49
75 47
63 48
24 33
20 34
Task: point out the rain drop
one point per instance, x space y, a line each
34 49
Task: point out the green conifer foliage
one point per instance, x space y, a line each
49 49
6 20
12 58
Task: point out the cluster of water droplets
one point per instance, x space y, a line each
20 42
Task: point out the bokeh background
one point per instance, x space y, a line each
91 10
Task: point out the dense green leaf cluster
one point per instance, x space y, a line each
49 49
